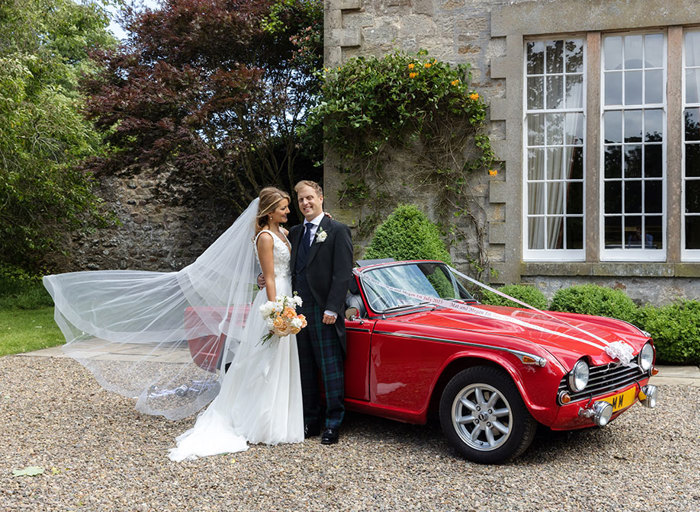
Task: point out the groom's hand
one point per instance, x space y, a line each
261 281
329 319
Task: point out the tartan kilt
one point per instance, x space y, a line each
320 350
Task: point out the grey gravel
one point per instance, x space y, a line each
98 453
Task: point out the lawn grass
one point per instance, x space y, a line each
26 316
24 330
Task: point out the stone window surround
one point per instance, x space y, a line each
591 18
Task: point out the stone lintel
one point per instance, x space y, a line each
497 233
346 37
349 5
611 269
590 15
499 192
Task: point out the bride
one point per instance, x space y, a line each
166 338
260 397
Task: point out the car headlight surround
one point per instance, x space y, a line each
578 376
645 358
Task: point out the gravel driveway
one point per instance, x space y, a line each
100 454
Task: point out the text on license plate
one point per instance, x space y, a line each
622 400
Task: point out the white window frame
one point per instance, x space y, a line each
636 255
690 255
552 254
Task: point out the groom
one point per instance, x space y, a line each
321 267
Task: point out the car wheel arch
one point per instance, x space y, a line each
497 432
459 363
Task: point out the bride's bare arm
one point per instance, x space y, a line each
267 263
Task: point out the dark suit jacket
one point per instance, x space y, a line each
328 267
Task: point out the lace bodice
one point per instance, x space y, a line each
281 253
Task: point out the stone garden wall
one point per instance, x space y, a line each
153 233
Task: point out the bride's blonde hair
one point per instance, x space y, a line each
269 199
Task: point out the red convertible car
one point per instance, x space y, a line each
419 344
490 373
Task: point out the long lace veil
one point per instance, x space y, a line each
164 338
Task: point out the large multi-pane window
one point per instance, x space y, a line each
554 138
633 146
691 169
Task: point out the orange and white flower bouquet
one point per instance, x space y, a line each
281 316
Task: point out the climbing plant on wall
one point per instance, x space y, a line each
373 109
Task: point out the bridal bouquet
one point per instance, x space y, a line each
281 316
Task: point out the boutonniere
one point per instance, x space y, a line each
321 235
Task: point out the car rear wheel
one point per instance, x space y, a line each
484 417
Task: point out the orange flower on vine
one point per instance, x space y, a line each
412 75
427 65
474 96
455 82
411 65
493 172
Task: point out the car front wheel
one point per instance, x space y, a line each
484 417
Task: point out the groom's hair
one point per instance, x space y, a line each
309 183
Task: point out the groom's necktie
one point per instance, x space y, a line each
305 243
307 234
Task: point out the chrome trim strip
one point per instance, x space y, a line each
541 361
357 329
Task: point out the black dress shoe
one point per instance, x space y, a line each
330 436
311 430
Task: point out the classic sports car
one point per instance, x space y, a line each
491 373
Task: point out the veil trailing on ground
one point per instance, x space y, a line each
162 337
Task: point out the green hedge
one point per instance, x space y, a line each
675 329
20 290
526 293
407 234
591 299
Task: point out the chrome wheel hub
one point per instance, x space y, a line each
482 417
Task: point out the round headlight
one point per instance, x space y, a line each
578 377
646 357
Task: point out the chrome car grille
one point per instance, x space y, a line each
605 379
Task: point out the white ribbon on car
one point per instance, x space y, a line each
616 350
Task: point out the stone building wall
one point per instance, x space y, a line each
489 35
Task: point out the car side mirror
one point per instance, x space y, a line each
352 313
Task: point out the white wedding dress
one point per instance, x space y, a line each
260 399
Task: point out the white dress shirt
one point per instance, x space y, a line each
315 223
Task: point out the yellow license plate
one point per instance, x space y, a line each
622 400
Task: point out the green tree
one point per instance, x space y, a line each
212 96
44 51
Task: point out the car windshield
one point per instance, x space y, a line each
430 279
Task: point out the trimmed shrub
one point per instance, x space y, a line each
591 299
675 329
407 234
528 294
